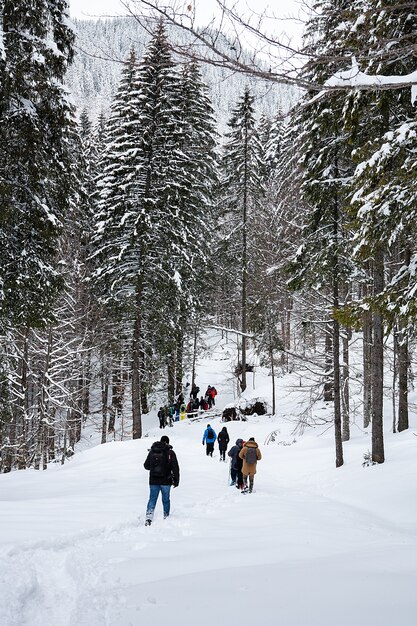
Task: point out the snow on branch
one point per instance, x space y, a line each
354 78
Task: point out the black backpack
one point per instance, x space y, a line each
250 456
210 433
158 462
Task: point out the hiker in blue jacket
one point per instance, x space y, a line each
209 438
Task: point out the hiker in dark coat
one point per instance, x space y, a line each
208 397
250 455
162 417
194 391
236 464
164 472
203 404
223 441
209 438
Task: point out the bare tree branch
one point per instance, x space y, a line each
220 44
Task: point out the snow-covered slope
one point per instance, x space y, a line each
313 546
103 45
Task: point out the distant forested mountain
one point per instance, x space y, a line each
103 45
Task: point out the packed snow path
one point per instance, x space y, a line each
313 546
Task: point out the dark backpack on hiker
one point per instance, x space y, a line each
158 463
210 433
251 456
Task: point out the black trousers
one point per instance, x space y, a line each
209 448
236 476
223 453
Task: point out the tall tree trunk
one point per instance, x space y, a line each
336 389
243 382
86 387
328 357
179 362
378 455
195 355
336 336
367 368
79 404
394 378
116 400
171 380
145 365
104 399
43 416
403 365
345 389
271 356
286 329
136 364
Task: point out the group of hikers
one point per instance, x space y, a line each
179 410
164 471
243 457
205 403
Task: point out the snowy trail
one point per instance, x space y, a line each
313 546
281 543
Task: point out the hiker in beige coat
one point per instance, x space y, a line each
250 454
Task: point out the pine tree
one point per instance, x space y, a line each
241 193
152 234
270 310
34 163
325 154
383 198
36 185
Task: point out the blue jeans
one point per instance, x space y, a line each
153 497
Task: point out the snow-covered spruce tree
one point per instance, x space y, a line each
35 180
191 177
241 193
323 146
384 195
35 116
115 203
151 233
53 370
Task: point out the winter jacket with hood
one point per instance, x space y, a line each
223 439
172 474
249 469
234 455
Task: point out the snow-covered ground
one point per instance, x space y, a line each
313 546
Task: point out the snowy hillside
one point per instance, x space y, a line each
313 546
102 47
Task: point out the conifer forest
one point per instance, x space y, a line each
144 199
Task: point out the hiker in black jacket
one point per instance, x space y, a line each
164 472
162 417
236 464
223 440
